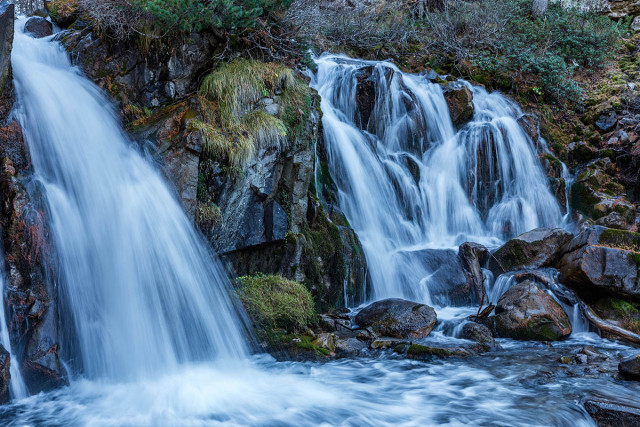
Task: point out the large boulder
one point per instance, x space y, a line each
603 262
534 249
398 318
6 40
452 279
527 312
460 103
38 27
478 333
607 413
630 367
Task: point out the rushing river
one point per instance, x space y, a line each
158 341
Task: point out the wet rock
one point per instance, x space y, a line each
602 261
38 27
449 282
460 102
398 318
478 333
425 352
349 346
6 40
474 256
581 152
534 249
531 125
365 95
5 376
630 367
326 340
527 312
607 413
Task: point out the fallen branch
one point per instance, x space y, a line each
609 327
482 314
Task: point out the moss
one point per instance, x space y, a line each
296 109
620 239
625 312
276 302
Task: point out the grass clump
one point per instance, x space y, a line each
276 302
235 128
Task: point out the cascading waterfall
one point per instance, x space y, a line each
143 291
17 387
408 181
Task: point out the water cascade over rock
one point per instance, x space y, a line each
139 291
409 181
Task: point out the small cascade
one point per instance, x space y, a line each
17 387
140 292
408 181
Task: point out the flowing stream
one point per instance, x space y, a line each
159 341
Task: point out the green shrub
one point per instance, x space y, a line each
504 38
276 302
189 15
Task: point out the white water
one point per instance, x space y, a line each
413 182
142 291
17 387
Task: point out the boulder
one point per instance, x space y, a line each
6 40
473 257
38 27
607 413
613 220
460 102
449 281
5 376
534 249
478 333
630 367
607 122
602 262
398 318
527 312
426 352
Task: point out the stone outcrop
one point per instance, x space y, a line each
527 312
460 102
398 318
474 256
38 27
630 367
602 262
608 413
6 40
5 375
29 255
534 249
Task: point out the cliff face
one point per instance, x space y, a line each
263 217
29 259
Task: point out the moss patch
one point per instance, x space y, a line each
276 302
621 239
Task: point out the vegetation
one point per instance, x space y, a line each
276 302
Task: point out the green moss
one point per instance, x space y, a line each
276 302
296 109
620 239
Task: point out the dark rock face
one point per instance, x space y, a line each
531 126
132 77
612 414
398 318
534 249
38 27
630 367
365 96
460 102
32 319
607 122
449 282
602 261
474 256
6 40
527 312
5 376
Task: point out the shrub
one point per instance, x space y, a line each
165 17
276 302
505 38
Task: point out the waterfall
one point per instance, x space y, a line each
408 181
141 290
17 387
